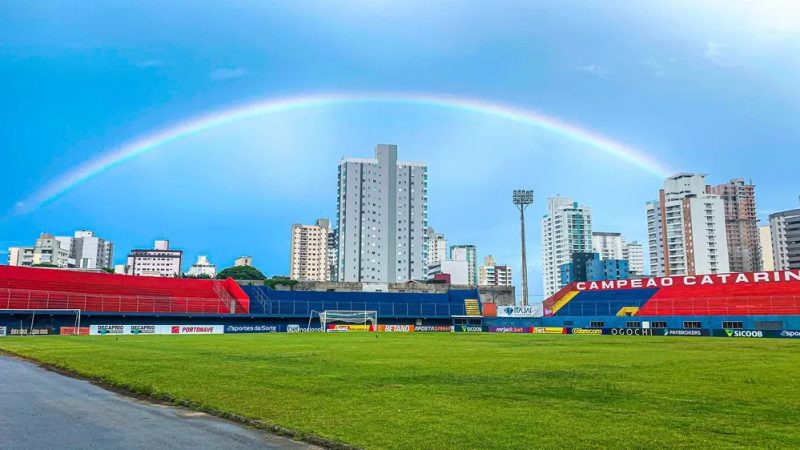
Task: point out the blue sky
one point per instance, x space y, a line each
698 86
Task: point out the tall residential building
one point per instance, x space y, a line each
785 228
457 267
686 229
309 252
20 256
382 218
90 251
492 274
332 245
202 267
468 253
53 250
158 262
741 224
590 267
608 245
633 252
566 229
437 247
765 240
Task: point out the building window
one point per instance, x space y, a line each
692 324
633 324
597 324
735 324
658 324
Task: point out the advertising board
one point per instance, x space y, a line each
2 331
586 331
516 311
683 332
469 328
509 330
396 328
36 331
548 330
295 328
196 329
72 331
433 329
252 329
104 330
336 327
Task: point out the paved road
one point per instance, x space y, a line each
42 409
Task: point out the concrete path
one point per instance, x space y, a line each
43 409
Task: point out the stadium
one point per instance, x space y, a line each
38 301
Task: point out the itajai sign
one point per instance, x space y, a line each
693 280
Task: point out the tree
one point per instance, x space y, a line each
241 273
108 270
274 281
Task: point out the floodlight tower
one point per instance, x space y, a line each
523 198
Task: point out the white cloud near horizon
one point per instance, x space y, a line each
596 71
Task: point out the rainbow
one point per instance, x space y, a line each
216 119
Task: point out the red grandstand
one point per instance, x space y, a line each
40 288
736 294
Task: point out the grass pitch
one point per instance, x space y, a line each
466 390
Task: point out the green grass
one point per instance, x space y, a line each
466 390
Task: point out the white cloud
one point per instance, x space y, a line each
227 73
596 71
718 54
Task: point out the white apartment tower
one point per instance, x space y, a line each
608 245
686 229
468 253
566 229
382 218
785 229
765 241
309 252
91 252
158 262
634 252
437 247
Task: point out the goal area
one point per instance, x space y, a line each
346 320
36 322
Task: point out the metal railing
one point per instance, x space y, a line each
11 298
689 306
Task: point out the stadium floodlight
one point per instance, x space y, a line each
522 199
354 317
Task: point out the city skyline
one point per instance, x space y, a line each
488 108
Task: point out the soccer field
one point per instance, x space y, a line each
465 390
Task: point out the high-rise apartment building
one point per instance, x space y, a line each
90 251
309 252
686 229
437 247
382 218
767 256
468 253
608 245
492 274
785 228
633 252
158 262
566 229
741 224
52 250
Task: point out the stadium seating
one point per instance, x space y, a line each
269 301
39 288
605 303
778 298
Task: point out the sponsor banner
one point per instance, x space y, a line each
335 327
36 331
631 332
396 328
434 329
684 332
790 334
295 328
756 333
2 331
548 330
196 329
468 328
509 330
117 330
587 331
516 311
251 328
72 331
